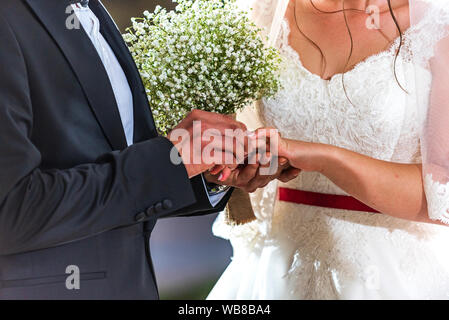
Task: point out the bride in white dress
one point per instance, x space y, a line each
376 131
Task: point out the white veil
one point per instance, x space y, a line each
429 47
267 15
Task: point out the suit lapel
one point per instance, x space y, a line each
87 66
144 127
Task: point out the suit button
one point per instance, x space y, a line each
167 204
140 217
158 207
150 211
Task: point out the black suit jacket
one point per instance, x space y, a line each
71 192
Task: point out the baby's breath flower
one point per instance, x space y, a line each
206 55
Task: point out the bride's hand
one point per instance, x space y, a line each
250 177
302 155
262 166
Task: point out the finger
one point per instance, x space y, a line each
267 132
256 146
289 175
241 144
271 137
265 159
215 153
283 162
269 165
211 178
248 173
261 179
258 182
223 158
216 170
225 179
225 174
228 143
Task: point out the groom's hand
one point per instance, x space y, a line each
261 167
204 140
249 177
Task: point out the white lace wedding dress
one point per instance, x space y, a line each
304 252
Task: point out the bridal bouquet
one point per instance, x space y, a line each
206 55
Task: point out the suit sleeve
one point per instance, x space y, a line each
46 208
202 206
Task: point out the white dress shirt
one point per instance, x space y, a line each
117 77
119 82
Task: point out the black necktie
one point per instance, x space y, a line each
84 3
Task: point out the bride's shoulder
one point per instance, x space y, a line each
430 24
429 15
433 8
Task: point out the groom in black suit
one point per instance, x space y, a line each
83 173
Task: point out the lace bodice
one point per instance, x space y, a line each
374 121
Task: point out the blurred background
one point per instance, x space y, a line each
188 259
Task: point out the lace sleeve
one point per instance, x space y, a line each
430 51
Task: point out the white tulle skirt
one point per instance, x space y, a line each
317 253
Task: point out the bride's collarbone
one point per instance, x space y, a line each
323 44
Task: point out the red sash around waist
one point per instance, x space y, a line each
323 200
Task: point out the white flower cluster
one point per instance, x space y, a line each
206 55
